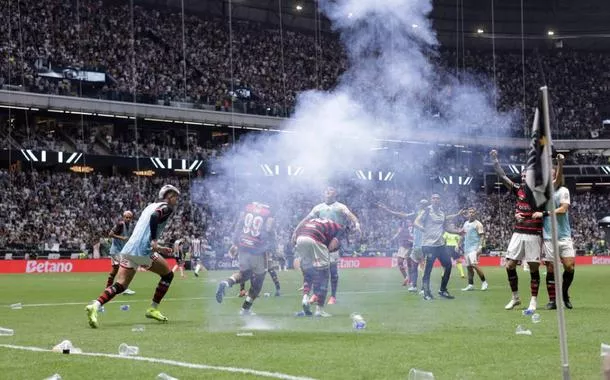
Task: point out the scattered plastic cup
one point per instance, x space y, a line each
125 307
522 331
66 347
605 359
527 312
418 374
165 376
6 332
267 294
127 350
245 334
17 306
55 376
358 322
536 318
138 328
101 309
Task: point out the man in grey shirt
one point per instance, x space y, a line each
433 223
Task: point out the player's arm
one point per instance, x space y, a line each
396 235
419 221
500 172
333 245
114 232
395 213
481 232
453 216
159 216
558 181
451 228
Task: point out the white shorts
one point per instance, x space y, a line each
524 247
133 262
115 259
566 249
471 258
334 256
403 252
312 253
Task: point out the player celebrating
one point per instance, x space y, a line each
338 213
316 239
433 222
561 200
119 234
254 237
473 246
142 250
525 242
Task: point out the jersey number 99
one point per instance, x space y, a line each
253 224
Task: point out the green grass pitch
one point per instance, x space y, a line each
471 337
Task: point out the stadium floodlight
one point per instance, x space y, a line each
550 33
480 31
414 26
299 7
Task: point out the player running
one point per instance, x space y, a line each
340 214
142 249
119 234
472 239
316 239
254 237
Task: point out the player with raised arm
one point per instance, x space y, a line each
404 235
433 222
472 240
119 234
254 238
316 239
338 213
525 243
561 202
142 249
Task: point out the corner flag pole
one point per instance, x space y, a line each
550 207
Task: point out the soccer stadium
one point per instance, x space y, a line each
304 189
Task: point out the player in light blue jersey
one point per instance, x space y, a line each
338 213
561 199
142 249
119 234
472 239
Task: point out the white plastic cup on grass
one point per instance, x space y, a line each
418 374
605 357
127 350
17 306
6 332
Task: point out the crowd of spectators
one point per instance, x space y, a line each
259 71
76 211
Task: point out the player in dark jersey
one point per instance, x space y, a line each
254 238
526 241
119 234
316 239
405 244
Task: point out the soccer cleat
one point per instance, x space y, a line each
246 312
277 293
242 293
220 291
153 313
484 285
412 289
128 292
332 300
92 315
422 292
445 294
567 303
468 288
427 296
513 302
322 314
302 313
551 305
533 304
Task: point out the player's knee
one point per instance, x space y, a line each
510 264
168 278
568 266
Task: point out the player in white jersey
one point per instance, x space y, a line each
119 234
472 240
142 249
561 201
179 252
197 249
338 213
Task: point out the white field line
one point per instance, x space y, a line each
247 371
129 300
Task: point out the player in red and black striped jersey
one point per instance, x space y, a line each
526 241
405 244
316 239
254 237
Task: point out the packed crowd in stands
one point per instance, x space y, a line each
260 76
75 211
